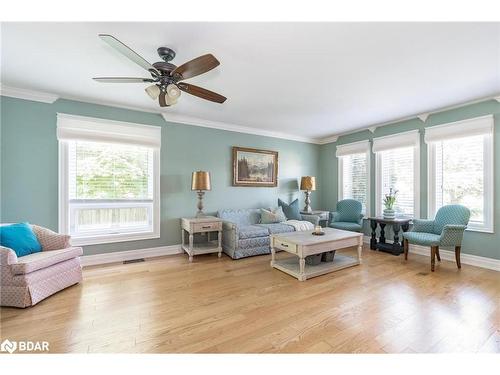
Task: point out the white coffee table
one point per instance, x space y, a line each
302 244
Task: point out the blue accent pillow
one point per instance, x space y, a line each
292 211
20 238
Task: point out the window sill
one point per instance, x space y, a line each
113 238
480 230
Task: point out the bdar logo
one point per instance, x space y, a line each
8 346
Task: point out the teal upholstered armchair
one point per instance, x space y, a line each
348 216
446 230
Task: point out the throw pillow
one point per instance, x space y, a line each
271 217
292 211
20 238
50 240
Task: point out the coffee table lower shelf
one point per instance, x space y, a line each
291 266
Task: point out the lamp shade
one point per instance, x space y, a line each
200 181
308 183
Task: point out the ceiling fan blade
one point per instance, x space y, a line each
127 52
195 67
122 79
201 92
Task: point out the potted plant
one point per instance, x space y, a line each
389 201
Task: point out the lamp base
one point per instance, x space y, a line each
307 207
200 212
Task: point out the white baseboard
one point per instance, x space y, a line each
471 260
121 256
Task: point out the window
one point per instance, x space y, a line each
398 167
461 169
109 180
354 173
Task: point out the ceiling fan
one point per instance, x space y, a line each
166 77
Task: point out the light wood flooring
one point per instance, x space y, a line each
167 305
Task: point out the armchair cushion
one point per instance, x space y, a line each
50 240
451 214
420 225
20 238
292 211
44 259
352 227
421 238
349 210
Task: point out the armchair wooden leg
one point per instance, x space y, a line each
433 257
437 254
405 248
457 256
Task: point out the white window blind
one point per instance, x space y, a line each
461 169
397 167
109 190
354 173
397 172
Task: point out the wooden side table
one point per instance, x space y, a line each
397 224
206 225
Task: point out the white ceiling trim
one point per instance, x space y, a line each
188 120
36 96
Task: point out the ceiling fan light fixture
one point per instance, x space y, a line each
153 91
173 92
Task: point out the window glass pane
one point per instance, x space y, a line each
397 172
110 171
460 174
110 188
355 178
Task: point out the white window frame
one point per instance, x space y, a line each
72 127
402 140
461 129
353 149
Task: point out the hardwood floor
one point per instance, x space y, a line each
166 305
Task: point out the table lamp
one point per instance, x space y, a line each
308 184
200 181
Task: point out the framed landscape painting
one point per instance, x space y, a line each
253 167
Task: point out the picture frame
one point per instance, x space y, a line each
255 168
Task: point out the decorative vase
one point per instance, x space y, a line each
389 213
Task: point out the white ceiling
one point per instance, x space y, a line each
303 79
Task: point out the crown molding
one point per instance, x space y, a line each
324 141
33 95
188 120
423 117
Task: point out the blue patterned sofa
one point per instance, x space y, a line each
243 235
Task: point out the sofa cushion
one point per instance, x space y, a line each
241 217
44 259
252 231
424 239
278 228
272 216
351 227
20 238
292 211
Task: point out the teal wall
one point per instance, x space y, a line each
476 243
29 187
29 167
